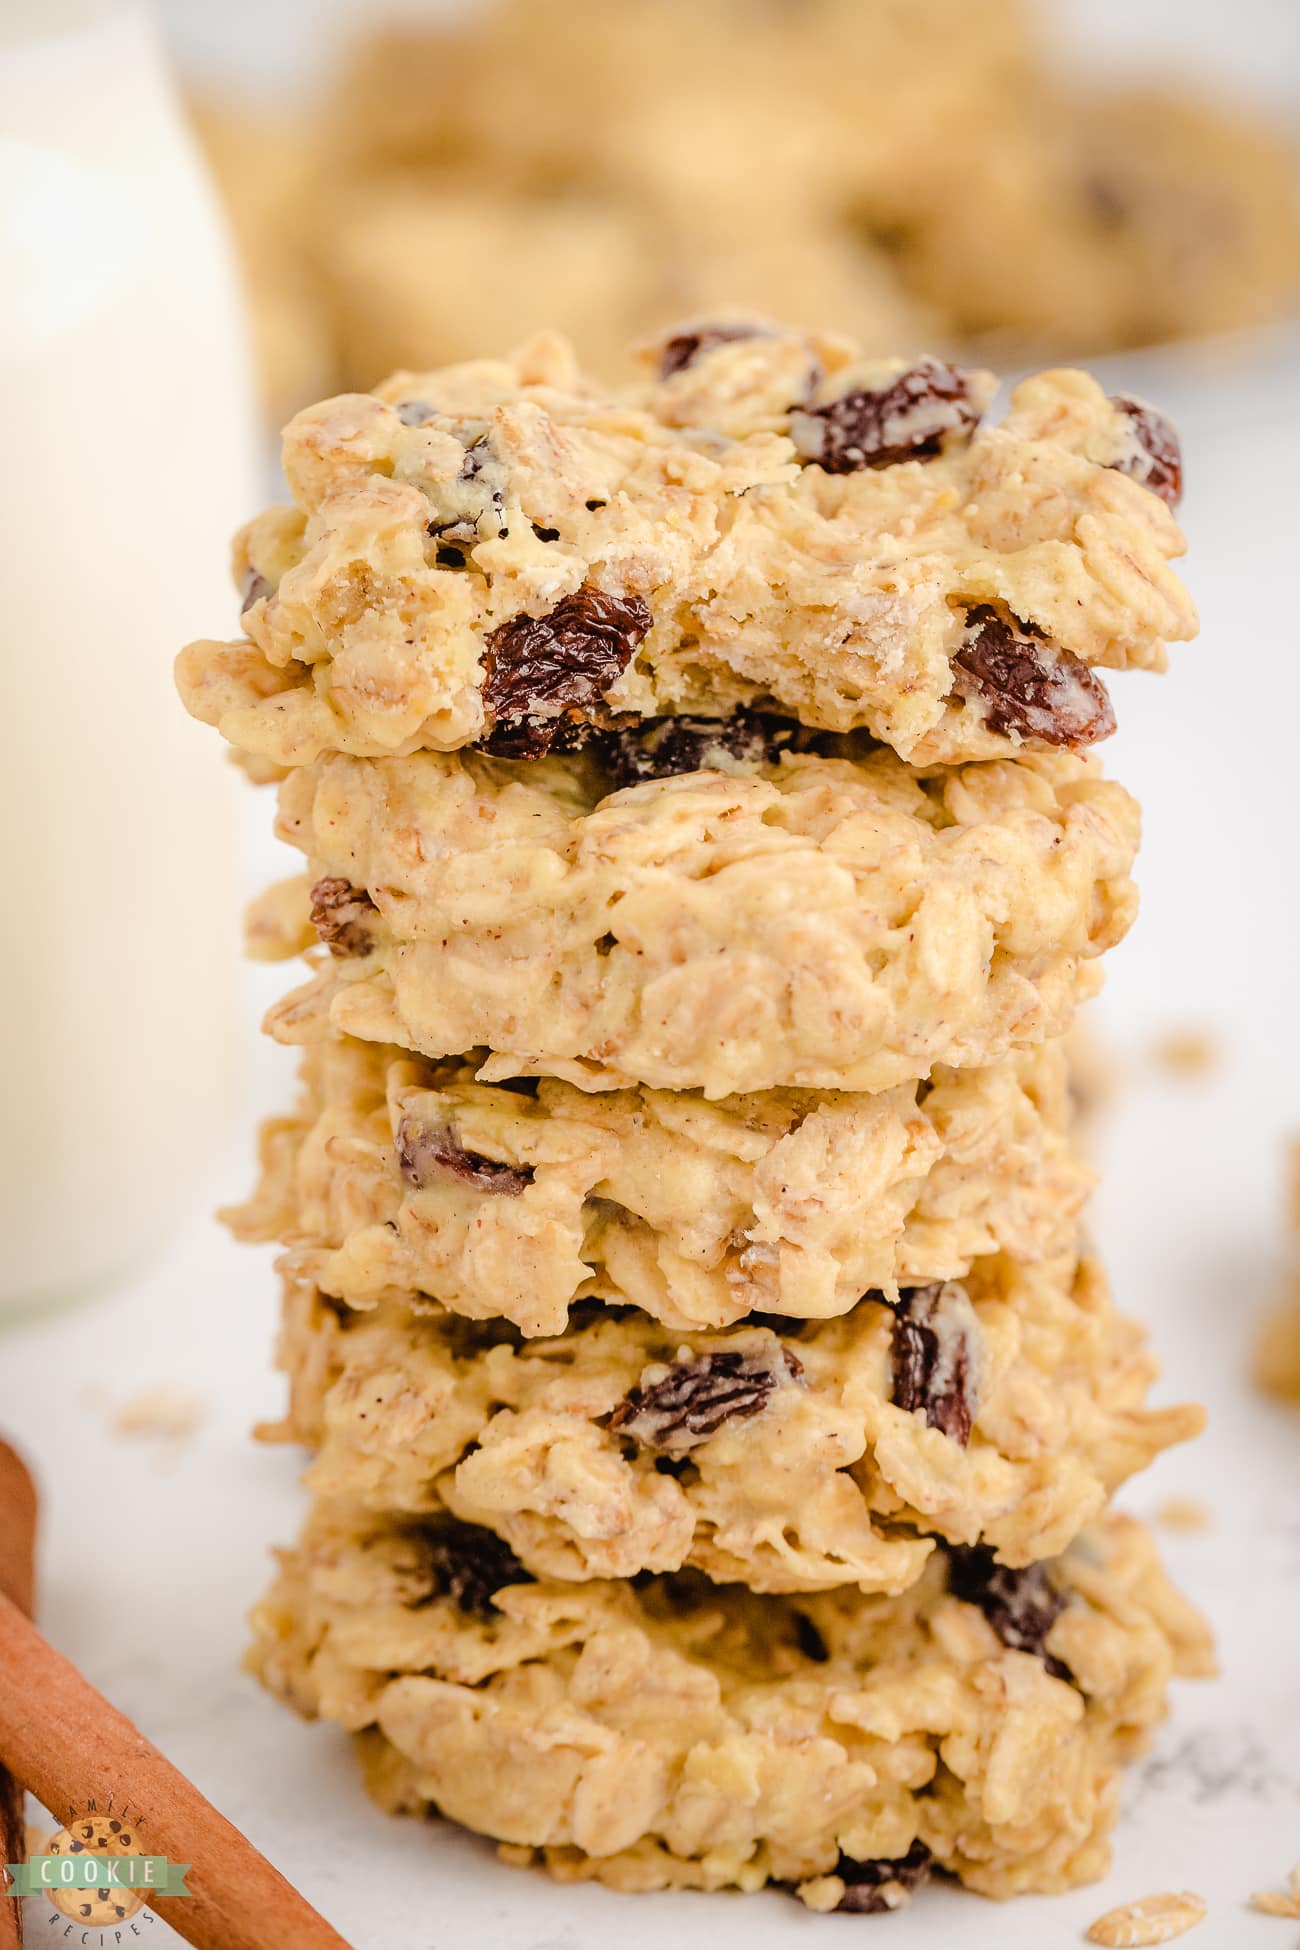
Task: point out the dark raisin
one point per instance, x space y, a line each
449 558
593 505
875 1887
424 1151
932 1360
809 1639
1022 1606
684 348
415 412
698 1395
1156 458
1029 688
255 587
908 418
546 672
661 748
340 914
471 1564
545 534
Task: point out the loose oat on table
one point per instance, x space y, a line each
817 921
787 1456
1280 1902
518 1202
678 1733
1150 1920
1189 1052
775 521
1184 1513
170 1412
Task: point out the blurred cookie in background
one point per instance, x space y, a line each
913 172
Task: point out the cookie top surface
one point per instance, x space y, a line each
503 553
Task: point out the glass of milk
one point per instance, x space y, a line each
129 455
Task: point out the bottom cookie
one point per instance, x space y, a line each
672 1732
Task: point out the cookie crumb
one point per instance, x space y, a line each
1152 1919
1188 1052
822 1895
167 1412
1184 1513
1276 1902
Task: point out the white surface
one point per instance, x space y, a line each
1190 1216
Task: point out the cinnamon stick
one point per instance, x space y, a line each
18 1584
65 1741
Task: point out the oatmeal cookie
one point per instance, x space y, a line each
1145 217
677 1732
502 554
426 270
1001 1410
780 918
516 1205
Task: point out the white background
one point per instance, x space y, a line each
276 45
1190 1216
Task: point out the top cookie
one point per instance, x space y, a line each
501 554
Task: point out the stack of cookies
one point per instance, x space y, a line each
714 1405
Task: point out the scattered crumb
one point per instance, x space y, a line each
1188 1052
1274 1902
167 1411
1152 1919
1184 1513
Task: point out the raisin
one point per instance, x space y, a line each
340 913
698 1395
875 1887
908 418
1022 1606
471 1564
684 348
661 748
255 587
426 1150
415 412
548 672
1029 688
932 1359
1156 457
